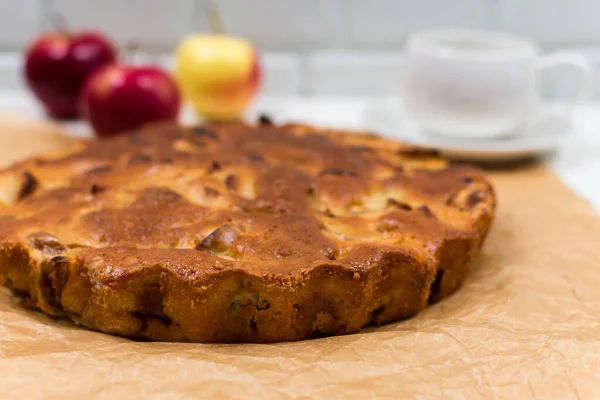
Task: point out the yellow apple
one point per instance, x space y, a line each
218 74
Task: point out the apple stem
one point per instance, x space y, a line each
60 23
132 51
214 19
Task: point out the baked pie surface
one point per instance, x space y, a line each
238 232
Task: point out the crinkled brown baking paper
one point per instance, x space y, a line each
526 324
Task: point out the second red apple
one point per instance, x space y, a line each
122 97
58 64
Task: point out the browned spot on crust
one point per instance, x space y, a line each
475 198
399 204
232 182
219 240
436 285
255 157
427 211
98 170
418 152
339 172
46 243
96 188
205 132
139 158
210 192
29 185
54 275
328 213
450 200
264 119
214 166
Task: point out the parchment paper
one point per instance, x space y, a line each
526 324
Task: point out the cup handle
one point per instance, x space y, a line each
580 63
557 116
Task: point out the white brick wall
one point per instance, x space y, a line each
386 23
354 72
19 21
309 46
283 24
553 22
156 23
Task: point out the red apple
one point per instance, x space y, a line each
58 64
118 98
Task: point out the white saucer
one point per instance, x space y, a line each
541 138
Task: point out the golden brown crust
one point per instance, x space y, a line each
239 233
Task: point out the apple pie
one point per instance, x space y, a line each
239 232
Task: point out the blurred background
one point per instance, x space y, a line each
321 47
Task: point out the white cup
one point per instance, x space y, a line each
480 84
